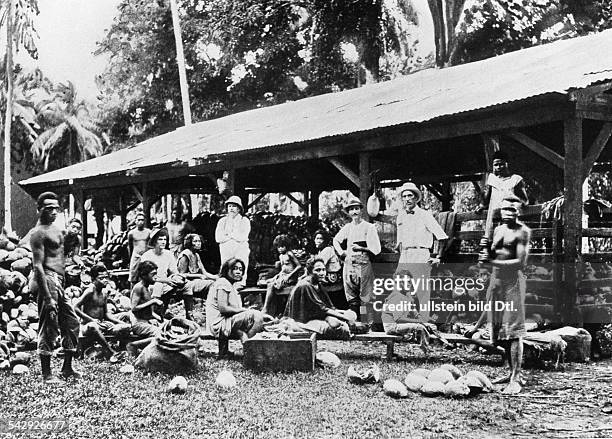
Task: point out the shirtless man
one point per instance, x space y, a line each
138 238
56 315
72 243
142 308
508 252
93 310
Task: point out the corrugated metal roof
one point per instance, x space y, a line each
552 68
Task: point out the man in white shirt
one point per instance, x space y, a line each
416 230
362 242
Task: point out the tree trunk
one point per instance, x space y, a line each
8 119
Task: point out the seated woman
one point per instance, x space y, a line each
401 315
310 305
289 267
225 316
332 284
191 267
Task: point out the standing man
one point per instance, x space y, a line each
508 253
73 244
56 315
416 230
138 238
362 243
232 234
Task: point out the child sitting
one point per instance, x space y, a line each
289 268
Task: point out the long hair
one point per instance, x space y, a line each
229 266
325 235
188 242
311 263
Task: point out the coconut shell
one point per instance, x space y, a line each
433 388
453 370
486 382
128 368
441 375
414 382
456 389
327 359
178 384
473 384
20 369
423 372
395 388
20 358
226 380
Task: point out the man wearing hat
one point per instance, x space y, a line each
232 234
56 315
416 230
362 242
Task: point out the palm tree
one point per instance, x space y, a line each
71 134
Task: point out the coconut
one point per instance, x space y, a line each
327 359
395 388
423 372
441 375
486 383
20 358
433 388
452 369
414 382
371 375
473 384
456 389
20 369
225 379
178 384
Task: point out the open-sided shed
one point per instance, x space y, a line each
551 105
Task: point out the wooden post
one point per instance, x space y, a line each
364 181
314 204
84 218
123 211
572 213
146 204
231 181
447 197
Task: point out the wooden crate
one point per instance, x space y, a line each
276 355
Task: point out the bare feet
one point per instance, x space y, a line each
131 350
67 373
51 379
513 388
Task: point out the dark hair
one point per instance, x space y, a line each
145 267
141 214
96 270
188 241
324 234
75 220
310 263
500 155
40 201
282 241
159 234
229 266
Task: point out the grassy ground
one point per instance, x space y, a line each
321 404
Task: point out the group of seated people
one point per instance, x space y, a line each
161 277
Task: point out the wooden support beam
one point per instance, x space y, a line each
137 192
477 187
296 201
345 170
365 182
81 200
314 204
596 148
447 200
255 201
491 146
146 204
231 181
537 147
122 212
572 213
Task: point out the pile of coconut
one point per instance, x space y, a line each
447 380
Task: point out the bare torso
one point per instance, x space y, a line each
51 239
95 304
139 239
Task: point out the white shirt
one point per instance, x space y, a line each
418 229
502 187
364 231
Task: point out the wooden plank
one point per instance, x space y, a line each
365 181
572 212
477 234
345 170
296 201
537 147
594 283
596 148
81 197
146 205
531 210
137 192
597 232
255 201
377 336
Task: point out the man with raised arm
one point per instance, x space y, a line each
56 315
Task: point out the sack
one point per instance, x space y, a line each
373 206
174 350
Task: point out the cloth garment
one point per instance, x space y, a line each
64 322
415 261
218 324
307 302
447 222
134 261
358 278
199 287
331 259
418 229
362 232
501 188
507 286
232 234
105 326
166 263
145 330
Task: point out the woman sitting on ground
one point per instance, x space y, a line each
332 284
289 268
191 267
310 305
225 316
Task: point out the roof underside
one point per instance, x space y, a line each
556 68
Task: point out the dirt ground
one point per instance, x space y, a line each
321 404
